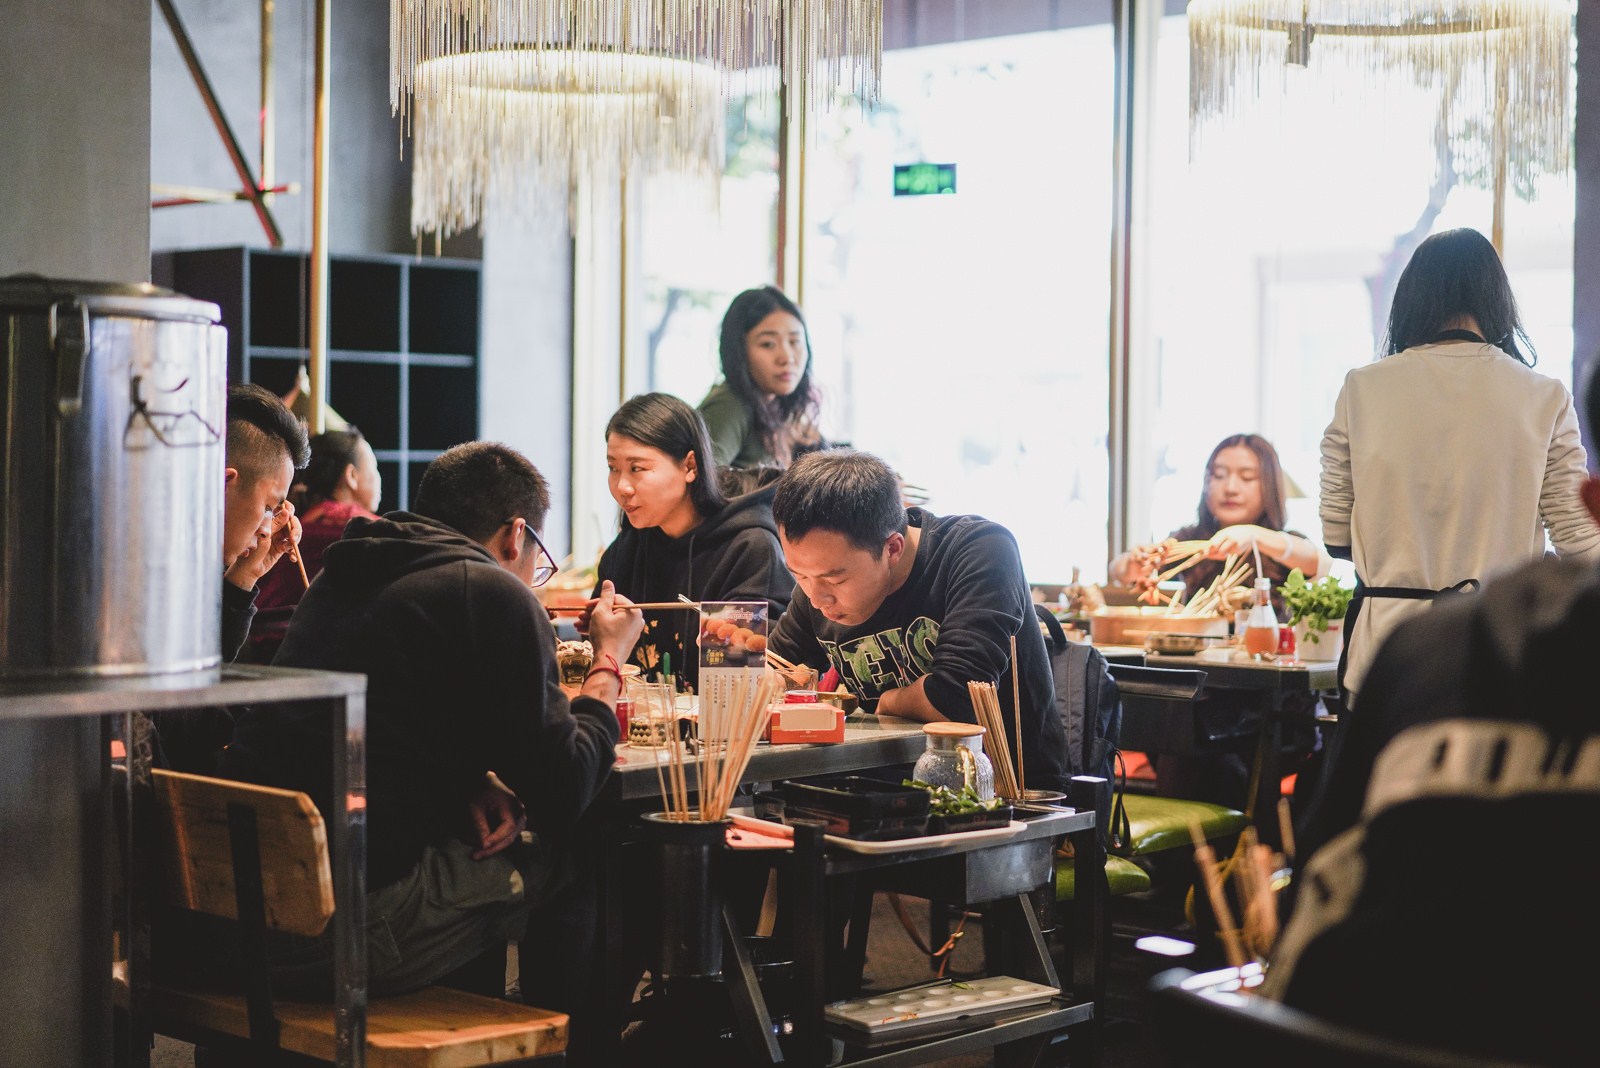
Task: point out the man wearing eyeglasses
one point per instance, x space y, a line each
469 735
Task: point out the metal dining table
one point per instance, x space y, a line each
869 742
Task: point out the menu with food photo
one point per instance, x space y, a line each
733 646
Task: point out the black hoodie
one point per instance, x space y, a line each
731 556
461 679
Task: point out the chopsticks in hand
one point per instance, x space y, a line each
648 606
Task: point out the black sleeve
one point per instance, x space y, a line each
986 604
555 754
238 609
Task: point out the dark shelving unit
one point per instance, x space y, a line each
403 338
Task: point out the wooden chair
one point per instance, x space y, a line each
259 857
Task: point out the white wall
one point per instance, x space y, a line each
525 388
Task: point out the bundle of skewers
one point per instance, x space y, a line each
1257 874
728 736
1216 597
986 704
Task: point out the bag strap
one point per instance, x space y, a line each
1058 636
1119 831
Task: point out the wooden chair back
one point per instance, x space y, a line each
192 824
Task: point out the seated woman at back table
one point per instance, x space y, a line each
1241 507
340 482
681 534
764 410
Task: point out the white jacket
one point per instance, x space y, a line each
1448 462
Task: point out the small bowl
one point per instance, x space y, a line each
847 701
1172 644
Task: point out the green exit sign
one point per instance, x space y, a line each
924 179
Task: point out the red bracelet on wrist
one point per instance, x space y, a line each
610 666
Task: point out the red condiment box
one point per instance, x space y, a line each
817 721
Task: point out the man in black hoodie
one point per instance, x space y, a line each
469 734
909 607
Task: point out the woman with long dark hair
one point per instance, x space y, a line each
1449 458
680 534
1241 509
765 408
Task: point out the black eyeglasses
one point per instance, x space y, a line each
545 571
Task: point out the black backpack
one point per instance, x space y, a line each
1091 713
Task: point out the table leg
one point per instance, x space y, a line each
348 845
613 991
1261 801
136 856
1091 923
846 980
749 1006
805 891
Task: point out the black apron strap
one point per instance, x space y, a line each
1405 593
1457 335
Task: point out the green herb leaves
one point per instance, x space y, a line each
948 802
1314 603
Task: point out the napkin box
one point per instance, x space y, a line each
813 722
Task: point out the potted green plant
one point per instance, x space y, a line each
1316 611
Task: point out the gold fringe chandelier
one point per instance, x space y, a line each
1502 67
525 101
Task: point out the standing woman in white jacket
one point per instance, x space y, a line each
1448 459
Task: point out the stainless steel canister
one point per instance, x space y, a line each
112 424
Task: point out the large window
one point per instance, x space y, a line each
963 337
695 261
1273 252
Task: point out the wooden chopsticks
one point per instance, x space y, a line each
648 606
795 673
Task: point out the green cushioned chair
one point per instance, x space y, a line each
1160 823
1123 877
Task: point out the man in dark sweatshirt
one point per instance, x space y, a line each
469 735
909 607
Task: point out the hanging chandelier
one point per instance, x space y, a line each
524 102
1502 68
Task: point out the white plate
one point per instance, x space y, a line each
926 841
